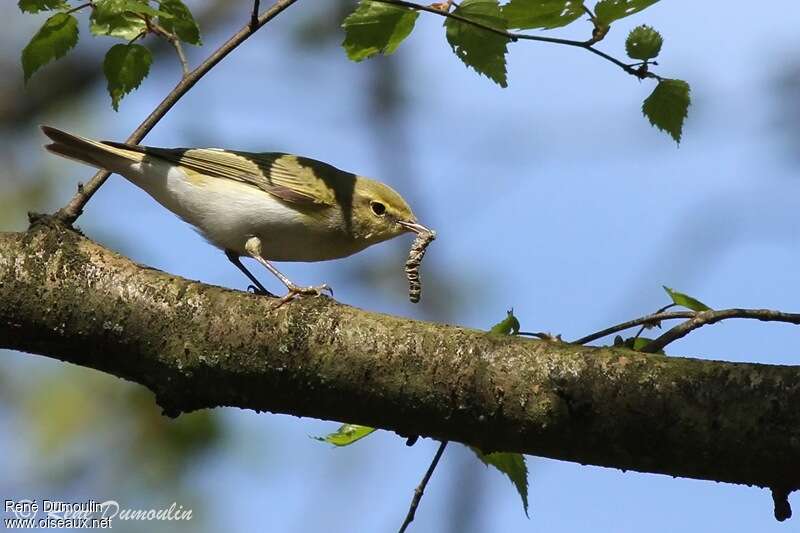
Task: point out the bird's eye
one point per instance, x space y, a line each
378 208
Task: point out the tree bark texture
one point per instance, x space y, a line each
199 346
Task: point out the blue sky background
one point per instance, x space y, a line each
553 196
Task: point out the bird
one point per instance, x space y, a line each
268 206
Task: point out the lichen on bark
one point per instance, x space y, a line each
199 346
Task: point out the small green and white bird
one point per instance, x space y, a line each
268 206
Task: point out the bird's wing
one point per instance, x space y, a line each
293 179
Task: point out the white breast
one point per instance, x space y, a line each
227 213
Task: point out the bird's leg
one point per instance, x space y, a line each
257 286
253 247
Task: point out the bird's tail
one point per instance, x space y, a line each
100 154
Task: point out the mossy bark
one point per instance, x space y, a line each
199 346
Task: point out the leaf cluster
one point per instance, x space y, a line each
479 33
126 64
679 299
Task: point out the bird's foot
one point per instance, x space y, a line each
295 291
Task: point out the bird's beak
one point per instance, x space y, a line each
416 227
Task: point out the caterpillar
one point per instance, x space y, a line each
415 255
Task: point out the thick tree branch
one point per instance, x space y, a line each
198 346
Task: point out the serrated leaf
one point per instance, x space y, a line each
125 25
180 22
376 28
607 11
347 434
57 36
643 43
508 326
125 66
542 14
122 18
35 6
513 466
684 300
478 48
667 106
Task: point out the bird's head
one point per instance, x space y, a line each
380 213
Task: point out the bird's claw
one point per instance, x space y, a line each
323 288
316 290
295 291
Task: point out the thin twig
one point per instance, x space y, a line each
174 41
704 318
538 334
695 320
412 510
137 37
69 213
454 16
599 31
78 8
645 326
513 36
644 321
641 321
254 15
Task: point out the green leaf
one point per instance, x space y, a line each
508 326
667 106
57 36
180 22
125 66
34 6
634 343
123 18
544 14
637 343
607 11
512 465
478 48
107 20
376 28
346 435
684 300
139 6
643 43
